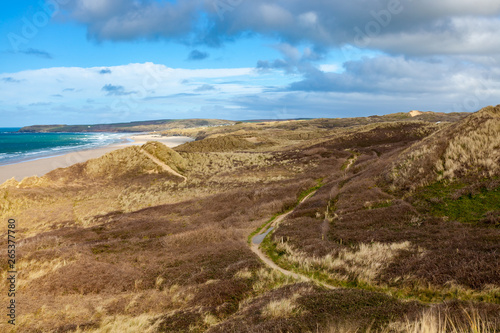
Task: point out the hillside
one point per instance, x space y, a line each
392 225
465 149
136 126
306 128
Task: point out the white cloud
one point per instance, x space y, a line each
125 92
377 85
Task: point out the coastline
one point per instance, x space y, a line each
41 166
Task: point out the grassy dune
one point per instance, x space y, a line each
118 244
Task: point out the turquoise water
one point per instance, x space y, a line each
17 147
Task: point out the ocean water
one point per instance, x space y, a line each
17 147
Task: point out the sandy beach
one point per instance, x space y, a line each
42 166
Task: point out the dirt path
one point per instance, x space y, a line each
164 166
257 239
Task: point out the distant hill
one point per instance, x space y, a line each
176 124
136 126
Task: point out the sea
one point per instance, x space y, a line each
18 147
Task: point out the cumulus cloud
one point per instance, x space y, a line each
105 71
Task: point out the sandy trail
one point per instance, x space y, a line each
257 239
164 166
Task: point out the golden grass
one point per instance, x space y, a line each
210 320
145 323
119 163
212 163
267 279
475 151
468 147
430 321
34 269
218 144
243 274
365 262
283 308
165 154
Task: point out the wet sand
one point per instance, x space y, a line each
41 166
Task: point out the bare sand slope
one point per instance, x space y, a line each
41 166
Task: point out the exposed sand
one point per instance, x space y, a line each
41 166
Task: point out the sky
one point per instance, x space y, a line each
105 61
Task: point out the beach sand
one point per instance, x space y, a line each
41 166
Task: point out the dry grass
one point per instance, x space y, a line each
430 321
365 263
243 274
166 155
267 279
218 144
467 148
476 151
34 269
126 324
283 308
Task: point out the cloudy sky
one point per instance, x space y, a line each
101 61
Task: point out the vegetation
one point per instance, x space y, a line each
135 126
459 202
466 149
120 244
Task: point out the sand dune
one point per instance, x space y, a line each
41 166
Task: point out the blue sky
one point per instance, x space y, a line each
99 61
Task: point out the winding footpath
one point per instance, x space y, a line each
257 240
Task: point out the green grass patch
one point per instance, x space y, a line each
440 199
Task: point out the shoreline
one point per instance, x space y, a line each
43 165
69 151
